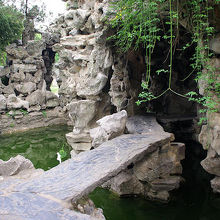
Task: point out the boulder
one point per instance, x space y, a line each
78 147
216 139
27 68
14 102
14 165
2 102
125 184
77 138
18 76
214 45
26 88
166 184
81 112
52 100
212 165
35 48
4 71
79 142
16 52
110 127
215 183
36 98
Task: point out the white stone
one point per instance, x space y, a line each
109 127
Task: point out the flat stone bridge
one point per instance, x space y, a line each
48 196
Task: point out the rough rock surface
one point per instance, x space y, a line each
109 127
24 83
158 172
210 133
14 166
14 102
2 102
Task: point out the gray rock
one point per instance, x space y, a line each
80 146
16 52
215 184
35 48
4 71
99 136
18 76
52 100
81 113
26 88
36 98
216 139
2 102
14 165
14 102
166 184
212 165
110 126
139 124
214 45
125 184
77 138
27 68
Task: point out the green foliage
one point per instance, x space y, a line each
3 56
62 152
44 113
57 57
10 27
38 36
24 112
138 23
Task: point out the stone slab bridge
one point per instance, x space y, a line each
48 196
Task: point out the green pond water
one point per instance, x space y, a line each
193 201
38 145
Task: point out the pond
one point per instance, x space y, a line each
193 201
38 145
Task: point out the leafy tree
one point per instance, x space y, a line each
11 26
32 13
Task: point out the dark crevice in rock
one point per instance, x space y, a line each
49 57
5 80
113 109
107 87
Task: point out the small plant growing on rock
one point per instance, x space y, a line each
44 113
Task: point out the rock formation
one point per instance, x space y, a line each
157 173
24 88
210 133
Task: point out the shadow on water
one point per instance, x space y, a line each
38 145
193 201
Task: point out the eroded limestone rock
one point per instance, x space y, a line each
109 127
2 102
209 136
81 113
157 173
14 102
14 165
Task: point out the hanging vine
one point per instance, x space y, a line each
138 24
